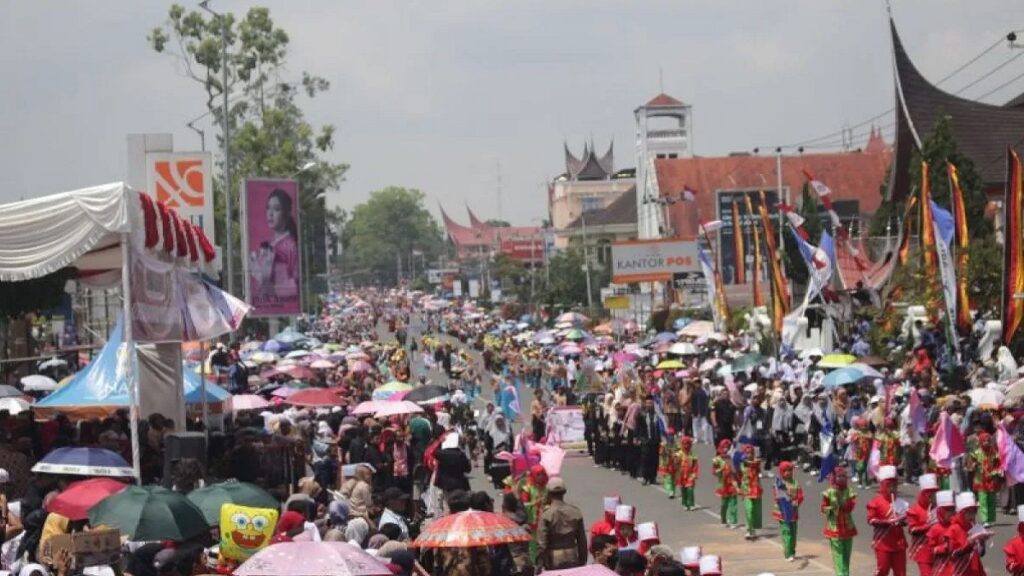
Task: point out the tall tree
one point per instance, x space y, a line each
386 230
270 136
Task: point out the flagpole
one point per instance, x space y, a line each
718 278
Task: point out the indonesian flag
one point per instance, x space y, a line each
795 220
947 444
688 194
711 226
819 187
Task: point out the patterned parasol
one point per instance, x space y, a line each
470 529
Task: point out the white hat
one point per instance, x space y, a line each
965 500
944 499
875 399
710 565
611 503
927 482
1020 513
625 514
5 476
690 556
886 472
647 531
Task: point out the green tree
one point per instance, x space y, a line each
567 280
270 137
387 229
495 223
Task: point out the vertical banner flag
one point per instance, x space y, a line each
273 256
710 278
1013 248
719 302
943 223
740 277
905 232
780 293
756 280
963 302
927 231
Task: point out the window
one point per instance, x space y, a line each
673 155
590 203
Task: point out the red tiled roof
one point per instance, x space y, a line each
472 239
663 100
475 222
850 175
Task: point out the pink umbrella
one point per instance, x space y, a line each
588 570
246 402
398 408
297 372
321 365
368 407
284 392
621 358
312 558
360 367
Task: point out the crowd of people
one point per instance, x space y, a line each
379 483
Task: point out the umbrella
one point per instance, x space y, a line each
312 559
683 349
836 360
38 383
390 389
84 462
569 349
670 365
14 405
865 370
588 570
398 408
264 357
241 402
470 529
53 363
297 354
314 397
367 408
572 318
76 500
575 334
322 365
842 377
360 367
297 372
664 337
289 337
747 362
357 356
429 394
697 328
284 391
980 396
873 361
274 346
210 498
624 357
150 513
709 365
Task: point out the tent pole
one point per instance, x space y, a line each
202 382
129 351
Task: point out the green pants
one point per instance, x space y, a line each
862 472
686 496
787 531
943 482
841 549
728 511
670 485
987 502
752 511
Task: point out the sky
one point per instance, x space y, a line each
447 95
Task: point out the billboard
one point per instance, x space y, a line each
183 181
525 249
726 245
273 255
653 260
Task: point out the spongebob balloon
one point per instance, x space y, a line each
244 530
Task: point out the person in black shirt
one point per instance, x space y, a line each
723 417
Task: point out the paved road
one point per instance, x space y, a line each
589 484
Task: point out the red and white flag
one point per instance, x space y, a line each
711 226
819 187
688 194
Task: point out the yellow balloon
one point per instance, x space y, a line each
244 530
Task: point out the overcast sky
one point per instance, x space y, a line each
434 95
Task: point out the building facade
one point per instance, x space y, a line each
589 183
663 132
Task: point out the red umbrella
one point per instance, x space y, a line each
315 398
470 529
76 500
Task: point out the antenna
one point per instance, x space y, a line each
661 80
499 189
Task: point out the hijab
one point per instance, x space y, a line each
357 531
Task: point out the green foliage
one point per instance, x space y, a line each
985 275
270 137
567 286
391 225
495 223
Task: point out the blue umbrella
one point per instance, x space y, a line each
842 377
84 462
273 346
665 337
289 337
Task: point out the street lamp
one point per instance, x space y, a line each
205 5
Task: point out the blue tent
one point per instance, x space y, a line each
100 384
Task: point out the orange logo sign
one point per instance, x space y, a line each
180 183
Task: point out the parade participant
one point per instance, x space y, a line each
1014 549
837 504
625 527
886 518
983 461
937 543
788 497
860 449
667 463
966 542
721 467
647 534
687 469
689 557
750 482
606 525
889 444
920 519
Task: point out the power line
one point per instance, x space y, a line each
991 72
1001 86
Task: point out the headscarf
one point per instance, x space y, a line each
376 541
782 416
498 429
337 513
357 531
450 441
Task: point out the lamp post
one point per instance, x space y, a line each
586 262
229 227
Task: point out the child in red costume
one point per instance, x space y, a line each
625 527
886 515
964 540
1014 549
606 525
920 519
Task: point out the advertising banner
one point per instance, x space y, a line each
730 269
565 427
183 181
652 260
273 257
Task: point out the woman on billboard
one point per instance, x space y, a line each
275 266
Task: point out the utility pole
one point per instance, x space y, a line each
229 216
586 262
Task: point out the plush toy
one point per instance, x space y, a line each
244 530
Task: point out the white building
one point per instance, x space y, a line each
663 130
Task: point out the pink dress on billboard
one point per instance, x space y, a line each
284 276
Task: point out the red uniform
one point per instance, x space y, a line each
1014 551
920 519
964 559
888 540
603 526
938 546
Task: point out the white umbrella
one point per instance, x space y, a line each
683 349
709 365
53 363
38 383
297 354
13 405
391 408
697 328
980 396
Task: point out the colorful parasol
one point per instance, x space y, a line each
312 559
470 529
84 462
397 408
390 390
76 500
241 402
315 398
836 360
